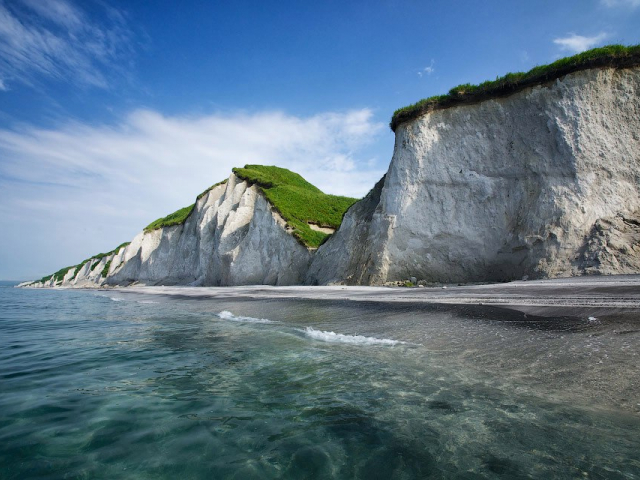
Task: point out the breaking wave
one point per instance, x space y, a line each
226 315
333 337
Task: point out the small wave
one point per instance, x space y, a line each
226 315
116 299
146 301
333 337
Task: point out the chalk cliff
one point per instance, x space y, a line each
542 183
233 236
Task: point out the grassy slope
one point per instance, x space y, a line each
617 56
180 216
176 218
297 201
60 274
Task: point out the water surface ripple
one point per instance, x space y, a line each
111 385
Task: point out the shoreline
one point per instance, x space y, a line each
563 296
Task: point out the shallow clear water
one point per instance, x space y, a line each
120 385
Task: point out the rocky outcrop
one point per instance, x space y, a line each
517 186
613 247
233 236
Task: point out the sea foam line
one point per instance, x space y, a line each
226 315
333 337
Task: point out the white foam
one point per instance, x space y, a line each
226 315
333 337
593 319
116 299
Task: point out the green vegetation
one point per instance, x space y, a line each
179 216
211 188
105 270
616 56
176 218
60 274
297 201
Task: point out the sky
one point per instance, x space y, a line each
114 113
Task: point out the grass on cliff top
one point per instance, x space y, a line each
297 201
60 274
179 216
617 56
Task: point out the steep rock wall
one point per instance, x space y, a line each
501 189
232 237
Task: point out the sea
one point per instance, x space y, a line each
106 384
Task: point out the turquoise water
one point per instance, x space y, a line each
120 385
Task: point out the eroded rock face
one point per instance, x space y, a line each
500 189
344 258
233 237
613 246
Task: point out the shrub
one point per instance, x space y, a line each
297 201
616 56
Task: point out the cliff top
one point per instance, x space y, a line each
179 216
297 201
616 56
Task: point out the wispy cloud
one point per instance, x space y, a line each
427 70
84 188
56 40
578 43
621 3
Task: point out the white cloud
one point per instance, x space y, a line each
69 192
578 43
58 11
56 40
3 87
621 3
427 70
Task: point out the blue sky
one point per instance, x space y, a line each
114 113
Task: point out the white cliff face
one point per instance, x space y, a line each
500 189
233 237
